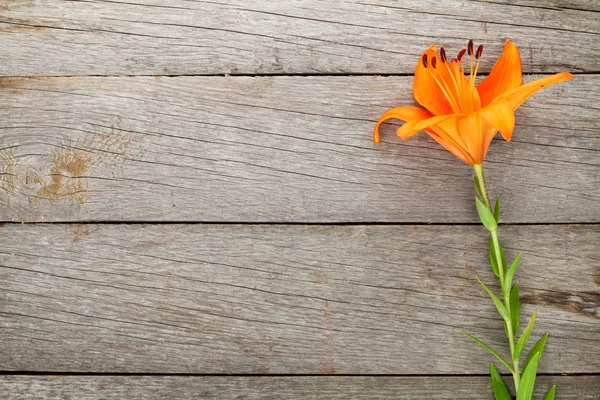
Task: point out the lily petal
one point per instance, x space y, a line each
489 131
446 133
517 96
501 116
472 125
507 74
442 137
426 90
410 128
404 113
448 130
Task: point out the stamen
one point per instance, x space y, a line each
441 84
476 68
479 51
424 59
471 76
451 73
443 55
474 74
462 64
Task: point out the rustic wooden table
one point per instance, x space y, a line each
219 224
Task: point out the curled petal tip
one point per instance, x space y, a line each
403 113
568 75
376 138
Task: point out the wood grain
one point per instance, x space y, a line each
166 37
277 149
326 388
277 299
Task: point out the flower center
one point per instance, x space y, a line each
451 80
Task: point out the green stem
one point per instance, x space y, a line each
504 285
480 179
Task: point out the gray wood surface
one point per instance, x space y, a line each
277 149
277 299
325 388
110 110
166 37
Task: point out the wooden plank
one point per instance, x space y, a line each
291 149
286 299
177 37
330 388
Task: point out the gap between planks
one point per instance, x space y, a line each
238 375
342 223
326 388
264 75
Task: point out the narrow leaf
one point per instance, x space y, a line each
550 394
493 261
499 306
477 186
488 348
537 348
497 209
515 309
487 219
498 385
528 379
525 336
511 271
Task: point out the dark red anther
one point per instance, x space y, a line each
461 54
433 62
470 47
479 51
424 59
443 55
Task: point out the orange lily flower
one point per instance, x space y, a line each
459 115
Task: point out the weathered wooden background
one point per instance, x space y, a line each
220 224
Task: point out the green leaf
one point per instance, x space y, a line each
477 186
493 261
511 271
499 306
487 219
488 348
497 209
498 385
528 379
515 309
550 394
525 336
537 348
